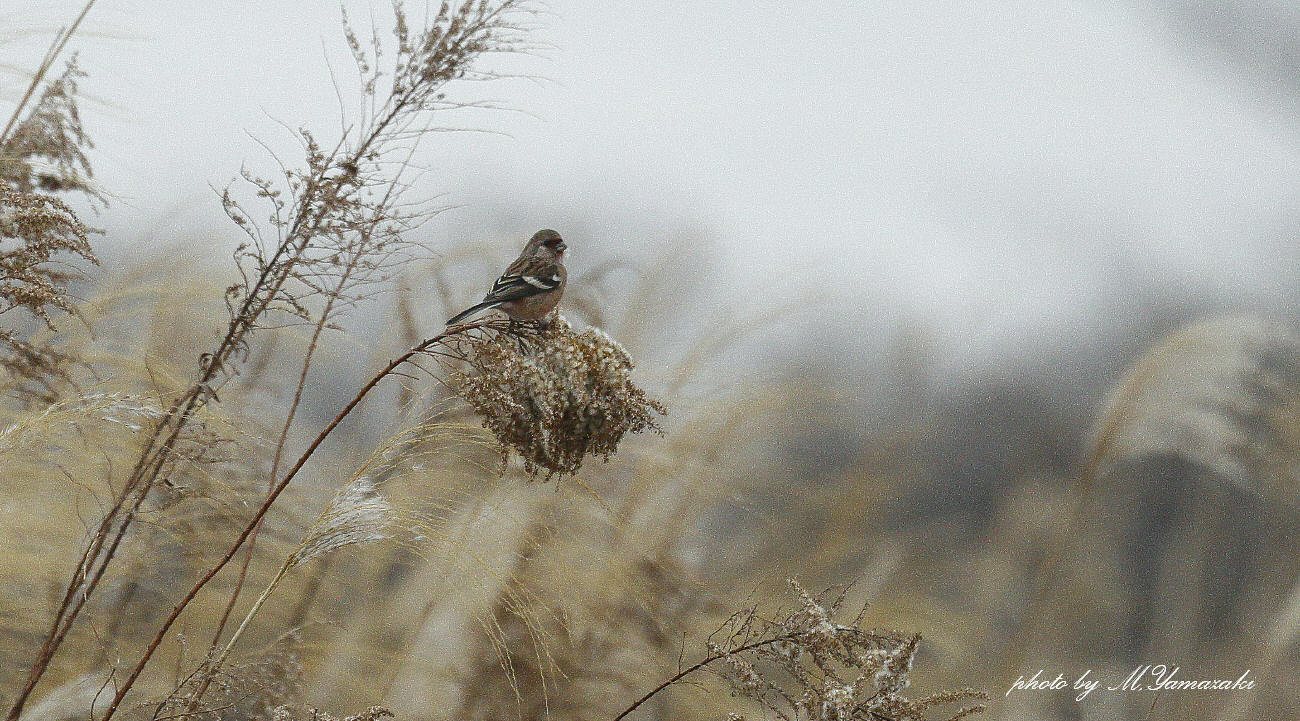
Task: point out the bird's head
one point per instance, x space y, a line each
547 244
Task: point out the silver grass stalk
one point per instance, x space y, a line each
115 408
359 513
1214 393
69 699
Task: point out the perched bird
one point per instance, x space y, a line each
531 287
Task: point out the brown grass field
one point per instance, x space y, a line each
262 481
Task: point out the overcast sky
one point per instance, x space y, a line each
989 166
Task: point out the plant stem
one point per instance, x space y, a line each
56 48
289 475
707 660
257 606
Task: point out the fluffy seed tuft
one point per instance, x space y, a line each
358 514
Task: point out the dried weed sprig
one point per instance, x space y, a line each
342 214
57 45
42 152
255 689
558 397
805 666
439 345
46 150
374 713
337 217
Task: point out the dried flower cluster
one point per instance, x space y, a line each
46 150
35 229
806 667
557 396
41 153
374 713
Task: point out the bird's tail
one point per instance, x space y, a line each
472 310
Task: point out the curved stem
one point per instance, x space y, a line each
271 498
292 413
708 660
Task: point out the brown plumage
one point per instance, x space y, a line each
532 286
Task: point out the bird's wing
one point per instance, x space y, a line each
526 282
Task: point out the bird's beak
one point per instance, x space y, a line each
562 247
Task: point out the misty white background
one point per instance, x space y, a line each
1009 174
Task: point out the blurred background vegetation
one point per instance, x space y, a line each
1125 496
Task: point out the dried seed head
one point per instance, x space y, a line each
557 396
37 232
46 150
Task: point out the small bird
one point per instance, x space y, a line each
531 287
